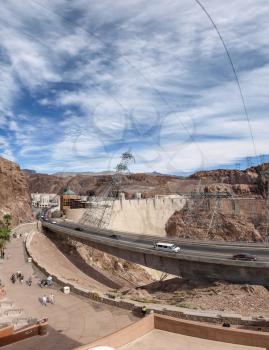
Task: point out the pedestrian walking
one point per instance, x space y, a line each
44 300
29 281
13 278
52 298
144 310
21 279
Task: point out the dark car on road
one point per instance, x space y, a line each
115 236
78 229
244 256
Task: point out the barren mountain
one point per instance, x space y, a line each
247 182
43 183
14 192
148 185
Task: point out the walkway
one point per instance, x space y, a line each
73 320
159 340
50 258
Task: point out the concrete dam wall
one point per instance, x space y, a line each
147 216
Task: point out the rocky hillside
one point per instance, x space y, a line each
43 183
253 180
237 182
204 223
14 192
240 212
245 299
148 185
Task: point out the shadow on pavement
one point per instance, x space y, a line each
76 260
53 340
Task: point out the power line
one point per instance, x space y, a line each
156 90
234 71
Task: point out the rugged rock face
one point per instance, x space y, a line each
252 180
204 224
43 183
227 205
14 192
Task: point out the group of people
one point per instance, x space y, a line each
46 282
45 300
18 276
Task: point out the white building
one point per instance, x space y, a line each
45 200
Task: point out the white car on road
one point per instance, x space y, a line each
166 247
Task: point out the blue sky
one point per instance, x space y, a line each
82 81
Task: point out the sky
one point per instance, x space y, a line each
83 81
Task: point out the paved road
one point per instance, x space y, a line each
216 250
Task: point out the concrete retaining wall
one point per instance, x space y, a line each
204 331
9 336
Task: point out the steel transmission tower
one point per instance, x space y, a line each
101 207
265 174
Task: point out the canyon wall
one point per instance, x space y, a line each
14 192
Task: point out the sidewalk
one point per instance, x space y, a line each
50 258
73 320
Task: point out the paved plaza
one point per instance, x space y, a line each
73 320
160 340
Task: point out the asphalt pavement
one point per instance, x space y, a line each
216 250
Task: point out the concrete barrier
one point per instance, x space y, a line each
211 332
9 336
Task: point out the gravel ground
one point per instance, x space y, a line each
222 296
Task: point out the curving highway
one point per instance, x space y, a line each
217 250
196 260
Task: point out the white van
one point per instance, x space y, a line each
167 247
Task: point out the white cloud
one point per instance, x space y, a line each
120 74
5 149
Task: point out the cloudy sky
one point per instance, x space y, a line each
82 81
